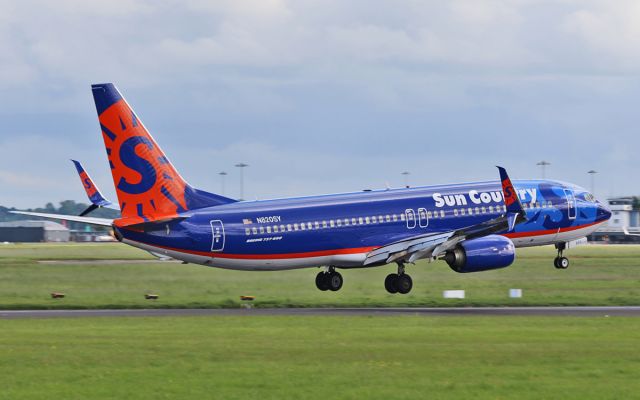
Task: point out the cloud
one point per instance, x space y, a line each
609 35
325 95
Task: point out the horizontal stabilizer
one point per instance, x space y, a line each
73 218
135 224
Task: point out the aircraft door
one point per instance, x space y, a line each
217 233
571 203
411 218
423 217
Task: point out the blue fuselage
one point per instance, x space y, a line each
339 230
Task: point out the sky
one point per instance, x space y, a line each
324 96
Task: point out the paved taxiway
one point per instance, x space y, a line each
633 311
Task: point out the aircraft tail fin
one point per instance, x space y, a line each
147 184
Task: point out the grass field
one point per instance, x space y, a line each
599 275
401 357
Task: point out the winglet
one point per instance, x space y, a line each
515 211
93 193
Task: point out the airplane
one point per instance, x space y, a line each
471 226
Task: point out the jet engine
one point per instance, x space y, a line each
482 254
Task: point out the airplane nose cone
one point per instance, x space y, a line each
603 213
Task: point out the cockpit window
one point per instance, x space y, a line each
589 197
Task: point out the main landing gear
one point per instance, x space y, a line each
329 280
561 262
398 283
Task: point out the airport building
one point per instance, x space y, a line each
625 215
33 231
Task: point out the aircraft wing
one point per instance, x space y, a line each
74 218
432 245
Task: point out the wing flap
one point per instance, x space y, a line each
400 250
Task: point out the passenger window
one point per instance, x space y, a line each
367 220
402 218
262 229
254 230
360 221
346 222
462 211
275 228
289 227
317 224
442 213
303 226
295 227
455 212
373 219
247 231
353 221
324 224
394 217
268 229
490 209
332 223
339 222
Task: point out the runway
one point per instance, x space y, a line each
629 311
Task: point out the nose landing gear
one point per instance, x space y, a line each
561 262
398 283
329 280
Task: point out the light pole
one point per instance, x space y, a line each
242 166
406 178
543 164
593 179
222 176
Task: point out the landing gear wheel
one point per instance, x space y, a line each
334 281
390 283
404 283
563 263
322 281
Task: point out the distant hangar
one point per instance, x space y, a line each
33 231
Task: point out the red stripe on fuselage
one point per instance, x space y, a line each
548 231
335 252
309 254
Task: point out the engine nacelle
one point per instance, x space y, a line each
482 254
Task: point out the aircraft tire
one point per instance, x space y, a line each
322 281
404 283
563 263
334 281
390 283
